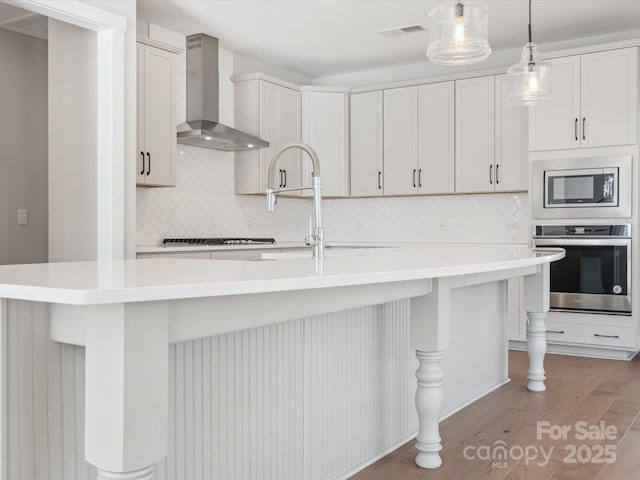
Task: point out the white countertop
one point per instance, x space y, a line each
88 283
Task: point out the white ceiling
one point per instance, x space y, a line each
319 38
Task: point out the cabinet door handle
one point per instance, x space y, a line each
280 170
142 155
490 174
379 180
285 178
414 178
575 129
148 163
420 178
584 132
606 336
555 331
497 173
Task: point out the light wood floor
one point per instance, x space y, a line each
578 389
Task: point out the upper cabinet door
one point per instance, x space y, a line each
400 141
366 144
290 111
436 138
269 106
556 125
325 119
512 141
609 94
141 166
475 134
156 116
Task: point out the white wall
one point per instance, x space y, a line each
23 147
72 143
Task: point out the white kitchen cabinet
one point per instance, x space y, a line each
367 131
436 138
325 127
401 141
475 108
595 104
156 116
511 141
270 110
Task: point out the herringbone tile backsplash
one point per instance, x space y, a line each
203 203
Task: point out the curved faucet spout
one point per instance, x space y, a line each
316 235
302 146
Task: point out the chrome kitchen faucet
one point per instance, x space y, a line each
316 236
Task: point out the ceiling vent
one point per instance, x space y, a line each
397 31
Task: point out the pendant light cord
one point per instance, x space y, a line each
530 39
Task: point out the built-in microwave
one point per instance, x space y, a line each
582 188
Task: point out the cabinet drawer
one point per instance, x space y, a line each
610 336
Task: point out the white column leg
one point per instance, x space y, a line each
126 388
144 474
429 406
536 347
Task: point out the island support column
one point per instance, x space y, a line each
430 316
127 360
536 304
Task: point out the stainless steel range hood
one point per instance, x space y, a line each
202 128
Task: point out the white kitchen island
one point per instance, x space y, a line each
127 314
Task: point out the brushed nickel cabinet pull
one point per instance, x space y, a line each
584 133
556 331
490 174
575 129
142 155
497 174
414 178
148 163
379 180
420 178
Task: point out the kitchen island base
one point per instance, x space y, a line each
123 386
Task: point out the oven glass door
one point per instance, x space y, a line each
594 275
581 188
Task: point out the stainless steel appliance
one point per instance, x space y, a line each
582 188
203 128
595 275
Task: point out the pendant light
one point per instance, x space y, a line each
458 32
530 80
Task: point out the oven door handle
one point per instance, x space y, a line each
578 242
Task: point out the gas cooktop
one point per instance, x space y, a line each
216 241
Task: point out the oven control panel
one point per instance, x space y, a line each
620 230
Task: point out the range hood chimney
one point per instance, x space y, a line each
202 128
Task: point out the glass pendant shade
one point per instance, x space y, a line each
530 80
458 33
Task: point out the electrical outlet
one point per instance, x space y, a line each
23 216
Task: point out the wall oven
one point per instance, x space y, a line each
582 188
595 275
